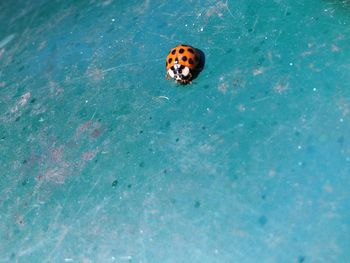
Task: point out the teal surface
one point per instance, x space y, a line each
104 160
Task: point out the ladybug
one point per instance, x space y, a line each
183 63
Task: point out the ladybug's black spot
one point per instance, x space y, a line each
173 52
184 58
180 70
190 50
169 60
172 68
182 67
181 50
190 61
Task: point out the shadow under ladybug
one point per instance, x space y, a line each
184 63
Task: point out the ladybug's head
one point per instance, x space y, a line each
180 73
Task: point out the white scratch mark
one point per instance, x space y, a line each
6 40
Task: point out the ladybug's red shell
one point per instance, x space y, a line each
182 62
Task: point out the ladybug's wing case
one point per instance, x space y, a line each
185 55
182 59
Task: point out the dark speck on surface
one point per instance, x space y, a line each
115 183
167 124
301 259
142 164
263 197
33 100
25 182
197 204
177 139
262 220
129 186
340 140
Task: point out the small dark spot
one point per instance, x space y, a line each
256 49
167 124
301 259
150 118
177 139
288 13
250 30
181 50
127 153
263 197
3 137
203 127
142 164
228 51
169 60
184 58
260 61
190 50
297 134
99 120
33 100
25 182
191 61
129 186
18 118
172 68
141 131
96 161
262 220
173 51
341 140
197 204
115 183
24 161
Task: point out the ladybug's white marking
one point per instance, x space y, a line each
171 73
186 71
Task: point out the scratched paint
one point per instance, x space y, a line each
103 160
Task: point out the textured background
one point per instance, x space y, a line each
104 160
